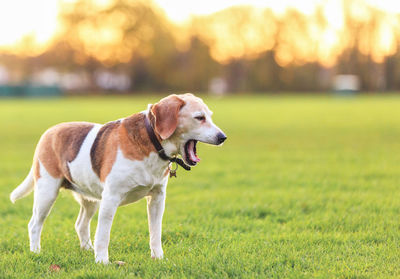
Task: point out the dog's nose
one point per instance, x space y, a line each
221 138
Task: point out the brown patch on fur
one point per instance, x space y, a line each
60 145
36 169
134 140
130 136
104 149
166 172
166 113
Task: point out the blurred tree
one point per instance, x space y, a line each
252 49
137 35
363 56
194 67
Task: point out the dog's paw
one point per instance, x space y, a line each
87 246
35 249
157 253
102 260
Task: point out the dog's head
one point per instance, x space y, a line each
183 120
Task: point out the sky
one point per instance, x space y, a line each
23 17
180 11
38 18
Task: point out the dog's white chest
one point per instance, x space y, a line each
135 179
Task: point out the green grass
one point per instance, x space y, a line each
304 187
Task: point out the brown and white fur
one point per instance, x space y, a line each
114 164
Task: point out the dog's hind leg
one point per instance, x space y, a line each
82 225
46 191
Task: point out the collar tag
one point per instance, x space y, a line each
172 171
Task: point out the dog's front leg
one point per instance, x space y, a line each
155 211
108 207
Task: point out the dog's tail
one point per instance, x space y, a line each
24 188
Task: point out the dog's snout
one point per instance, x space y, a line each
221 137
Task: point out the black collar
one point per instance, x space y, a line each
159 148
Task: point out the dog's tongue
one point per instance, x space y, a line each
192 153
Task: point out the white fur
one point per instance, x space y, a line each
86 181
128 182
45 195
82 225
24 188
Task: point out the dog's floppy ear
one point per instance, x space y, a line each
166 115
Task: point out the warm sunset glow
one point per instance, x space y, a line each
28 27
24 18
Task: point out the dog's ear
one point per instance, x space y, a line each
166 115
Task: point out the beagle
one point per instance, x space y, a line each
115 164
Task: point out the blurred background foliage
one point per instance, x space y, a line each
133 46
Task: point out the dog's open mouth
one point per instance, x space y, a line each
190 155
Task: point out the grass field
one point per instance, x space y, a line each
304 187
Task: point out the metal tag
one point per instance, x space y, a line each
172 172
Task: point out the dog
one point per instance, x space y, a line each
120 162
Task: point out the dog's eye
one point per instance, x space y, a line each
200 118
